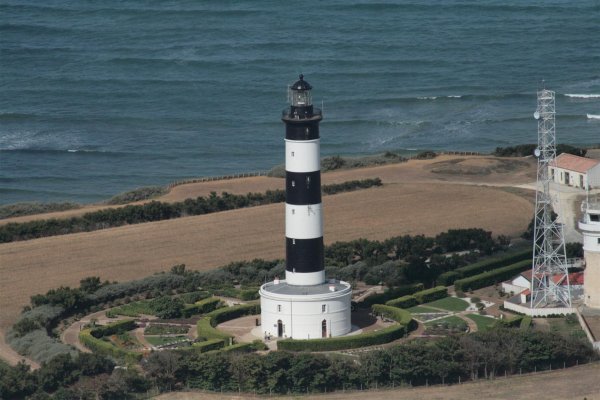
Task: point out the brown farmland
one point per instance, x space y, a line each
208 241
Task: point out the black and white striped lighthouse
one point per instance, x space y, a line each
303 210
304 305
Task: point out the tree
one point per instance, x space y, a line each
90 284
166 307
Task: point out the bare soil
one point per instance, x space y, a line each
572 383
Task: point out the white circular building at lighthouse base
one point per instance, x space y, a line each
305 312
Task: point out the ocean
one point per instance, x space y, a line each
100 97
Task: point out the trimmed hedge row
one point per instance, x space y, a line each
208 345
229 313
201 307
448 278
525 322
423 296
390 294
247 347
113 328
428 295
382 336
207 331
105 348
403 302
491 277
242 294
402 317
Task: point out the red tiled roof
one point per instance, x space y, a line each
575 278
526 292
574 163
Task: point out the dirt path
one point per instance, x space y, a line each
472 325
572 383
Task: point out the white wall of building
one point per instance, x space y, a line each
576 179
303 221
301 317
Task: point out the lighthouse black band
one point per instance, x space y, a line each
303 188
304 255
305 130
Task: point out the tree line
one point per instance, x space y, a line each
452 359
157 211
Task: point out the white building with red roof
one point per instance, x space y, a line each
571 170
521 284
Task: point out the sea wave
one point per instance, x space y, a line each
583 96
593 116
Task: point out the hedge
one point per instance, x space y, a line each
242 294
436 293
403 302
525 322
449 277
113 328
105 348
491 277
208 345
194 297
247 347
207 331
382 336
201 307
229 313
403 317
385 335
423 296
381 298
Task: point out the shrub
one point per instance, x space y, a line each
38 346
491 277
143 193
21 209
403 302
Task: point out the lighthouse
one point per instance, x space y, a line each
305 305
590 227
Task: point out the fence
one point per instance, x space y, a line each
216 178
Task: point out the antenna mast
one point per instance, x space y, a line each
550 275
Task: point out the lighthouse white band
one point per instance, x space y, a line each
302 155
303 221
305 278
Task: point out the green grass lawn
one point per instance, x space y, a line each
566 326
483 323
161 340
449 303
451 323
421 310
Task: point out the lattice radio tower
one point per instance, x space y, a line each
549 278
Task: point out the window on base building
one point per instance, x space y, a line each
324 308
278 307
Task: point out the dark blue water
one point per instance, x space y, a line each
98 97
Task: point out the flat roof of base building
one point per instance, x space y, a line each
286 289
